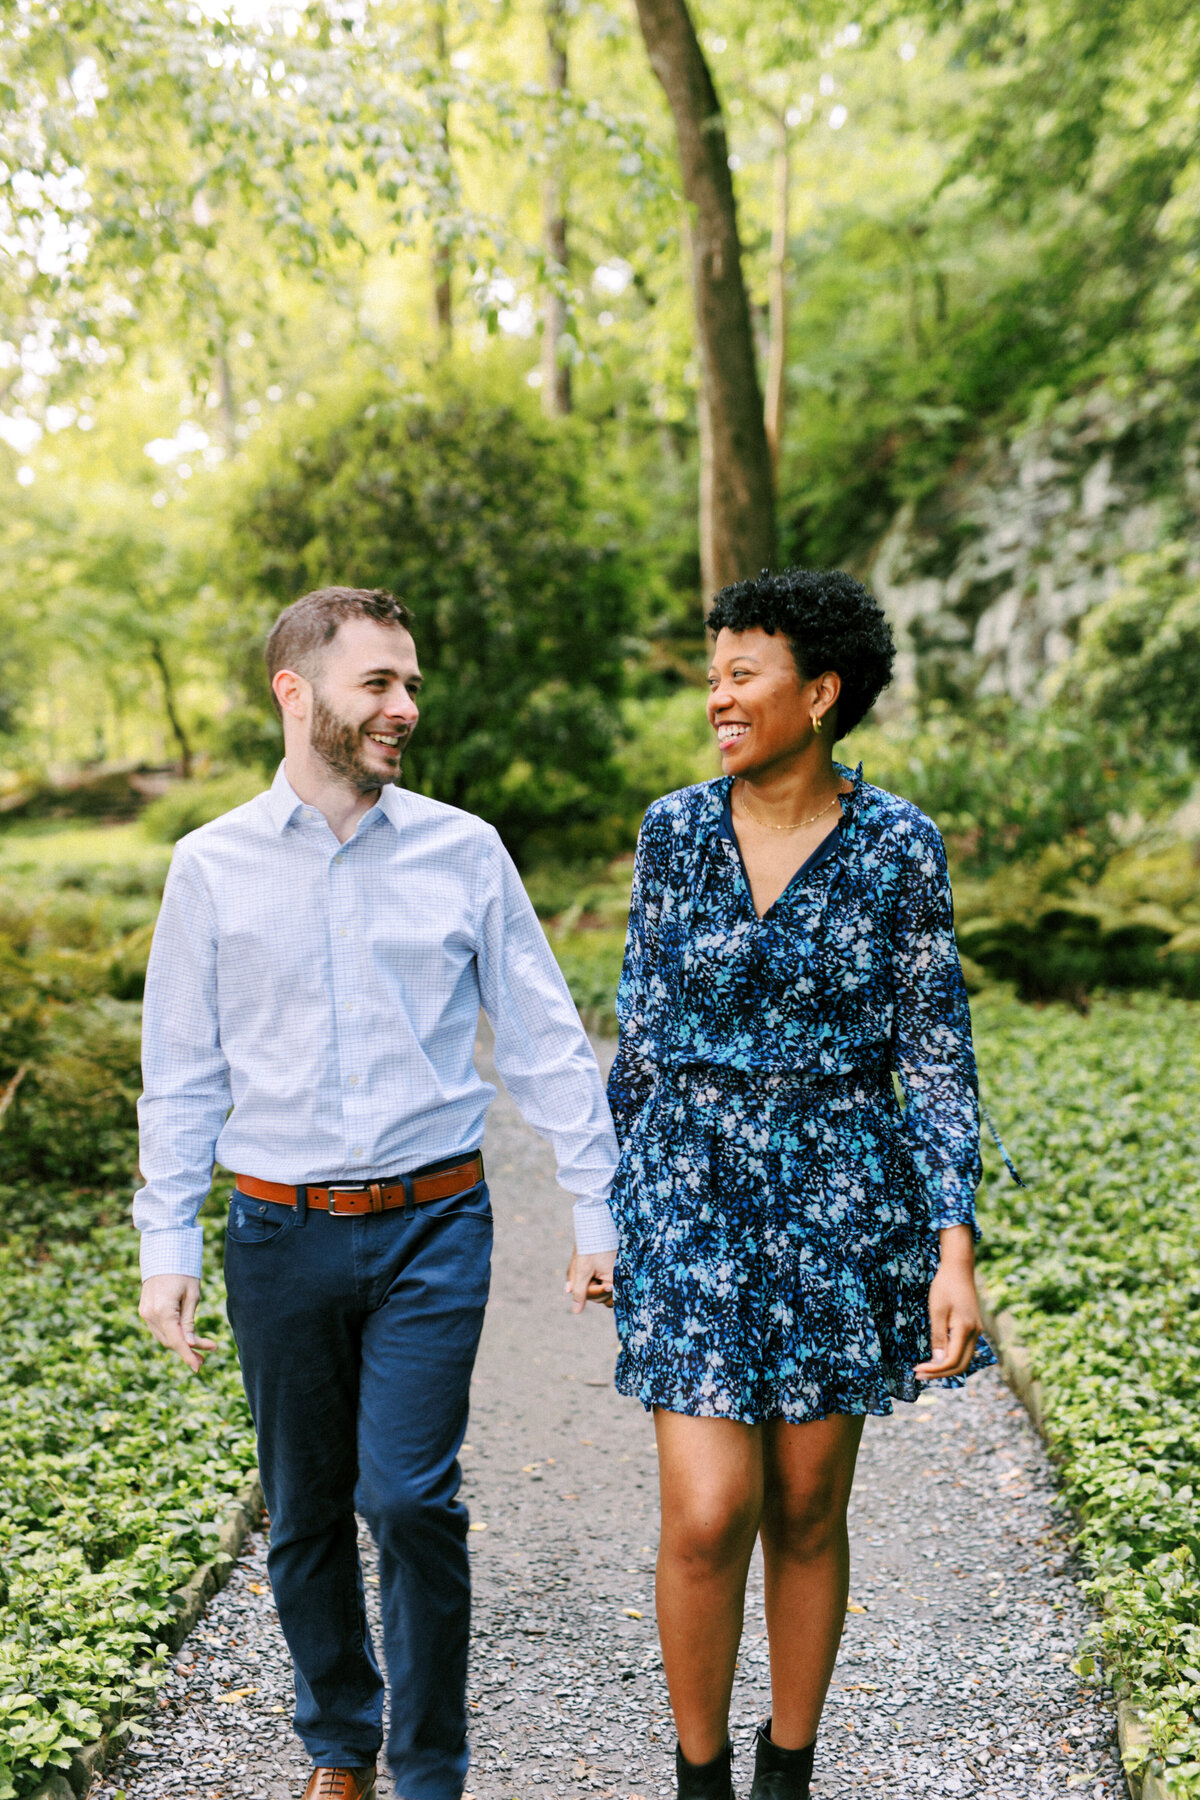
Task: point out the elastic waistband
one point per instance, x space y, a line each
687 1077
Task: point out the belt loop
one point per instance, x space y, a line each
376 1193
409 1207
301 1207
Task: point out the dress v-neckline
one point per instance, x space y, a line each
823 851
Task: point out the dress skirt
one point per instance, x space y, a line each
775 1248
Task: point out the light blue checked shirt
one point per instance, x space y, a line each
311 1010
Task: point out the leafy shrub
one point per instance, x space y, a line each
74 1117
1058 937
115 1468
194 803
1139 652
481 515
1005 783
1098 1260
667 744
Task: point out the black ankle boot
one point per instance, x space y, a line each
704 1781
780 1774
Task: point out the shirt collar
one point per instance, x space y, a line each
285 802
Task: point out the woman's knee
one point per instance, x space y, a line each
804 1523
712 1535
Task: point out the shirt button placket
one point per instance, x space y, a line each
341 908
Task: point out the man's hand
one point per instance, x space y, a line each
168 1306
954 1319
591 1278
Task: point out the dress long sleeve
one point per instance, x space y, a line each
932 1044
634 1069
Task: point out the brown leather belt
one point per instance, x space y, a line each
350 1199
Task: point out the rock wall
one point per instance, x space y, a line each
986 583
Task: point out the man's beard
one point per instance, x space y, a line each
339 745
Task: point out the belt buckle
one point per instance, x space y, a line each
350 1187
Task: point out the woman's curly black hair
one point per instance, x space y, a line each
830 622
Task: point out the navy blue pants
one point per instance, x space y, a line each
357 1337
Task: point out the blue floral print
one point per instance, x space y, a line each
778 1207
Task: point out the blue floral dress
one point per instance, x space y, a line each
777 1206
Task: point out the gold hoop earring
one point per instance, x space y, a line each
817 722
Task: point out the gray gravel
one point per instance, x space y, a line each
954 1679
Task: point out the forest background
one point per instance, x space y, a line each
550 314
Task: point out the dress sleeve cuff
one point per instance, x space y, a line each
173 1250
595 1232
947 1209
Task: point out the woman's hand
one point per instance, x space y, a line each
954 1321
591 1278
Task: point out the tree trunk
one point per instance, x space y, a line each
777 298
159 660
556 374
443 292
738 512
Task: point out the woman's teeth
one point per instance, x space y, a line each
729 734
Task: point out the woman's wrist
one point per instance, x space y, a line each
957 1247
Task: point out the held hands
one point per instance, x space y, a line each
954 1318
590 1277
168 1306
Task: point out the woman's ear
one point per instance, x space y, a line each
825 690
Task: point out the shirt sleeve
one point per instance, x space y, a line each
542 1050
186 1093
933 1054
634 1069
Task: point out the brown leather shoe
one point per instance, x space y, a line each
341 1784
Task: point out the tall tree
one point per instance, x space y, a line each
556 370
737 504
777 312
443 290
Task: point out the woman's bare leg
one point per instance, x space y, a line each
808 1471
711 1481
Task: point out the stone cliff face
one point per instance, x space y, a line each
986 583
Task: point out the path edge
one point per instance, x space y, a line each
187 1604
1000 1329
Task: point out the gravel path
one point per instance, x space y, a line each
955 1670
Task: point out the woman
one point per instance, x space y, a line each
796 1248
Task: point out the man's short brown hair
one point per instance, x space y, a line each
306 627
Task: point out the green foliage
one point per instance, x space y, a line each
668 743
1055 936
73 1119
1006 783
115 1468
1097 1259
1035 806
480 515
1138 661
194 803
72 966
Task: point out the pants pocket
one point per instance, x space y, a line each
256 1221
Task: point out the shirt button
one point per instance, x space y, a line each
354 1081
358 1153
341 931
339 859
349 1006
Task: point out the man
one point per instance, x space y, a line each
311 1006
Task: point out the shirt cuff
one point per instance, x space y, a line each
595 1233
174 1250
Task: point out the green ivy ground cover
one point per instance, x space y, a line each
1099 1259
116 1466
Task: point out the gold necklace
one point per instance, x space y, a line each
803 822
